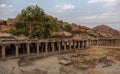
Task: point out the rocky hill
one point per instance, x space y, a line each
73 30
110 32
78 31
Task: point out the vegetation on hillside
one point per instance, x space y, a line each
34 23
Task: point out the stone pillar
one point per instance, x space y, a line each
89 43
53 48
70 46
93 42
105 43
74 45
59 48
46 47
100 42
64 44
110 42
78 44
38 51
118 42
96 42
3 51
17 50
28 49
113 42
83 44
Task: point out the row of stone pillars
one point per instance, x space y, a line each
102 42
47 47
44 47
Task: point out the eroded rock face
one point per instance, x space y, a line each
74 27
10 21
2 22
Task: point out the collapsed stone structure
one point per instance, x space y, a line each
18 48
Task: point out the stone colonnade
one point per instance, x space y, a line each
17 48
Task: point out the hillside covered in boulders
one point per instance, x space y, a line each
110 32
73 30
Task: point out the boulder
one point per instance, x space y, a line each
10 21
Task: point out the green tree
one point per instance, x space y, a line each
34 23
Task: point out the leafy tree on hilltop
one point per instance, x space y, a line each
34 23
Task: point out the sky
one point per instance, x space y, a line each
83 12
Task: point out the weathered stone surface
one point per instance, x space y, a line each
10 21
3 70
74 27
2 22
65 62
103 59
35 71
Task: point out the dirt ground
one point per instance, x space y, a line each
95 60
49 64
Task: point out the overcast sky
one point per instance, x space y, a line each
84 12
